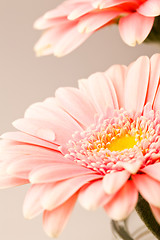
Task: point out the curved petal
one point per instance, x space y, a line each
57 172
54 221
156 213
150 8
57 193
123 202
153 171
94 20
91 201
136 84
112 182
148 188
9 181
134 28
156 104
154 78
101 91
32 205
76 104
117 75
26 138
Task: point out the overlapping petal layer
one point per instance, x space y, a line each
72 22
103 137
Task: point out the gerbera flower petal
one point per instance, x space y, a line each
54 221
114 181
91 201
57 193
150 8
153 171
123 202
7 182
117 75
154 78
71 99
134 28
156 213
148 187
137 78
32 204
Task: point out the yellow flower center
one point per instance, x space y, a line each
121 143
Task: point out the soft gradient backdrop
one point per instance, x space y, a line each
26 79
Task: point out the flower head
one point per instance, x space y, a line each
71 23
103 137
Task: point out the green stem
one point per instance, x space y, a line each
144 211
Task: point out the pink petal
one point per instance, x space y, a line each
57 193
7 181
54 221
156 213
79 11
100 90
50 112
76 104
69 40
154 77
136 84
91 201
112 182
94 20
22 166
25 138
57 172
134 28
32 205
150 8
148 188
55 132
123 202
156 104
153 171
117 75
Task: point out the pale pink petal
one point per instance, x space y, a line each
101 91
93 196
123 202
69 41
22 166
156 213
153 171
32 205
43 23
57 193
150 8
148 188
8 181
112 182
49 111
51 132
79 11
156 104
136 84
117 75
26 138
134 28
57 172
76 104
154 78
54 221
94 20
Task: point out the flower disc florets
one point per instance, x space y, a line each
113 143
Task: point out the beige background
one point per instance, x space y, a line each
25 79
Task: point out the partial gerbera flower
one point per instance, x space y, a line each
71 23
103 137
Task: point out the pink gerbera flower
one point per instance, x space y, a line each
103 138
71 23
